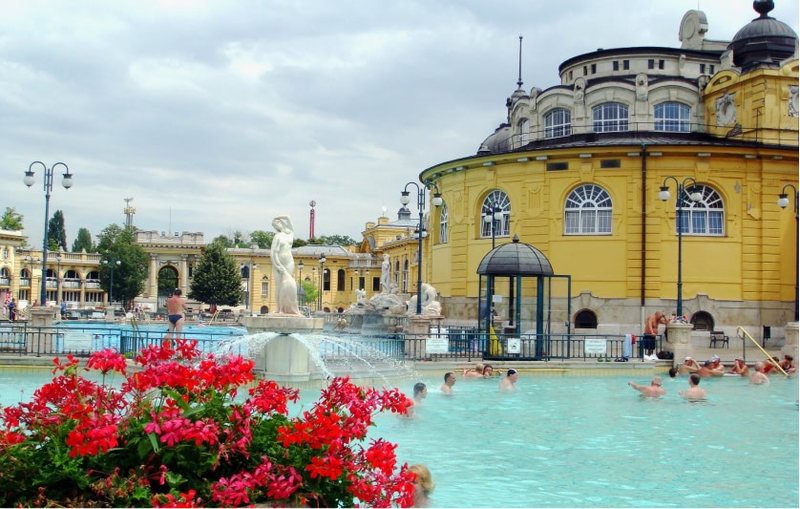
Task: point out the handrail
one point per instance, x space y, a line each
769 357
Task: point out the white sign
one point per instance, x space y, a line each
512 345
594 346
436 345
497 299
78 341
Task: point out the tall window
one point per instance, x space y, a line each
443 224
264 288
558 123
588 211
524 132
405 276
340 280
498 205
610 117
705 217
672 116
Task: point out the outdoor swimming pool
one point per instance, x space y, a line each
581 441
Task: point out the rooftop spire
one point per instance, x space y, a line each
519 79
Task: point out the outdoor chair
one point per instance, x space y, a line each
719 337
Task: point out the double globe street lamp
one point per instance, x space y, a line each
681 223
783 202
29 180
437 201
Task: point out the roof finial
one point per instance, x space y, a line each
519 80
763 7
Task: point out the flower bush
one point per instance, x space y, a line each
174 433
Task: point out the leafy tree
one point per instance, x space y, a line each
223 241
11 220
56 232
262 239
338 240
216 278
310 290
83 241
117 244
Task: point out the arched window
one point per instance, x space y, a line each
558 123
524 132
498 205
340 280
443 224
610 117
671 116
705 217
585 319
588 211
702 321
4 276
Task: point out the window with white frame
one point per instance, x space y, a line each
610 117
672 117
264 288
588 211
524 132
496 213
558 123
443 224
705 217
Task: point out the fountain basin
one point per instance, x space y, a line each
282 358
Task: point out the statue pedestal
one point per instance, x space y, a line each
42 343
283 358
680 342
791 346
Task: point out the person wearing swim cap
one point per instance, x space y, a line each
507 383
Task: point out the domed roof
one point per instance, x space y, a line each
515 259
498 142
763 41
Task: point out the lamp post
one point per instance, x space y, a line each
783 202
405 199
300 291
680 224
29 180
112 261
495 216
321 280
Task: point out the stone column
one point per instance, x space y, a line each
41 339
152 279
184 283
418 330
680 341
791 346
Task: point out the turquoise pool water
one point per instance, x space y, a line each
581 441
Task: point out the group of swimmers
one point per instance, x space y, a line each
713 367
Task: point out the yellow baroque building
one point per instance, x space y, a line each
578 168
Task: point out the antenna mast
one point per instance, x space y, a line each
519 79
129 212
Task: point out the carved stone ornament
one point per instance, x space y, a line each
725 110
794 108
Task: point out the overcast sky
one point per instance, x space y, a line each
216 116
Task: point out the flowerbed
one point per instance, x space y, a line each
174 434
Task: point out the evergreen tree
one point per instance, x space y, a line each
56 232
83 241
11 220
117 244
216 278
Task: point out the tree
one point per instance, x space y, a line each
262 239
117 244
56 232
11 220
338 240
216 278
310 291
83 241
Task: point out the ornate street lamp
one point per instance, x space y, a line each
321 280
112 261
681 223
783 202
300 291
48 188
437 201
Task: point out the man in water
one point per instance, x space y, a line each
759 377
449 382
507 383
693 392
653 390
175 308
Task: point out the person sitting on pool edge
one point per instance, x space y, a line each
507 383
653 390
449 381
693 392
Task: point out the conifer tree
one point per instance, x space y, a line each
216 278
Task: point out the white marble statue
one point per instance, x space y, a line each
430 306
386 272
283 267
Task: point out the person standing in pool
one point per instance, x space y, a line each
759 376
423 486
175 308
653 390
507 383
420 392
449 382
694 391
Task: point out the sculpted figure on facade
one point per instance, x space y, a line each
793 102
283 267
725 110
386 272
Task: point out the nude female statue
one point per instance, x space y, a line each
283 266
